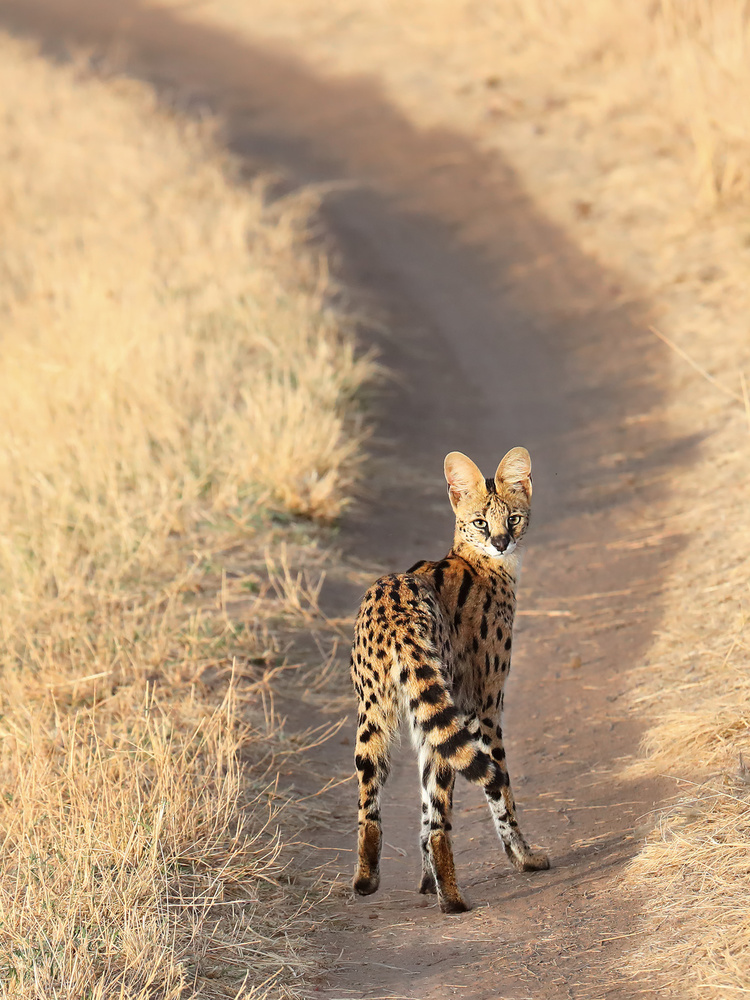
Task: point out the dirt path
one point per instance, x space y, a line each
500 333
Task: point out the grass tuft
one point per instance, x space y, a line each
174 384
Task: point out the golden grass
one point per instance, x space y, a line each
693 870
171 374
678 71
695 942
686 60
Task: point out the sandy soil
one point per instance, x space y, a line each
499 333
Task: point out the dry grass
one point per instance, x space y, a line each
697 943
696 692
171 375
685 63
679 69
630 127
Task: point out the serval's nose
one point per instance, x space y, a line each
500 542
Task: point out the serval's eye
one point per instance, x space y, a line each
479 523
514 519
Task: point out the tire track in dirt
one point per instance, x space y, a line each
501 333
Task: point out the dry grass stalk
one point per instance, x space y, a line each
161 387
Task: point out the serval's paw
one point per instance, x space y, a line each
455 905
365 885
527 860
535 863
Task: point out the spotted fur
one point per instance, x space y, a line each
434 644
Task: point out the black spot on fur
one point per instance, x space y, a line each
454 742
495 787
440 719
477 769
443 776
433 694
424 672
466 584
366 766
438 805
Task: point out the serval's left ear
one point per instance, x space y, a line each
514 472
463 477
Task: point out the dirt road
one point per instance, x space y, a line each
499 333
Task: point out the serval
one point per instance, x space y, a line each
434 644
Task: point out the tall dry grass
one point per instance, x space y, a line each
674 73
704 52
694 693
171 374
686 62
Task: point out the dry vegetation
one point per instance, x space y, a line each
677 70
154 419
173 384
630 126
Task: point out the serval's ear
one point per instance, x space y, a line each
463 477
514 472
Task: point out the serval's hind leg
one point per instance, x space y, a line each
375 729
438 868
503 808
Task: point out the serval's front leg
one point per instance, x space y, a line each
438 867
503 807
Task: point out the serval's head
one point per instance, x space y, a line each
491 514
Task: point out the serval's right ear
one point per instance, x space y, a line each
462 476
514 472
